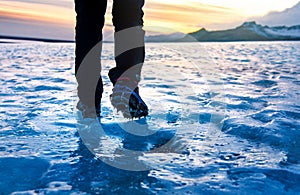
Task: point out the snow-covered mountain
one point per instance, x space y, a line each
293 31
273 32
248 31
288 17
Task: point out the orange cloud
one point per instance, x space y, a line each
36 12
186 17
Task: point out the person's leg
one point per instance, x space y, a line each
129 37
89 24
129 56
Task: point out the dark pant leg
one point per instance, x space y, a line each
89 24
128 22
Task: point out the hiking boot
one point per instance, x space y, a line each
125 98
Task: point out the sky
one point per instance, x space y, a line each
56 18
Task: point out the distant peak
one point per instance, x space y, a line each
249 24
202 30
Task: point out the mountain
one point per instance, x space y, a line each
248 31
288 17
165 38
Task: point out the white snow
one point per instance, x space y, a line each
283 32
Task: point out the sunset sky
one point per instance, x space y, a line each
56 18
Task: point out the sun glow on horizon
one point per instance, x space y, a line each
184 17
